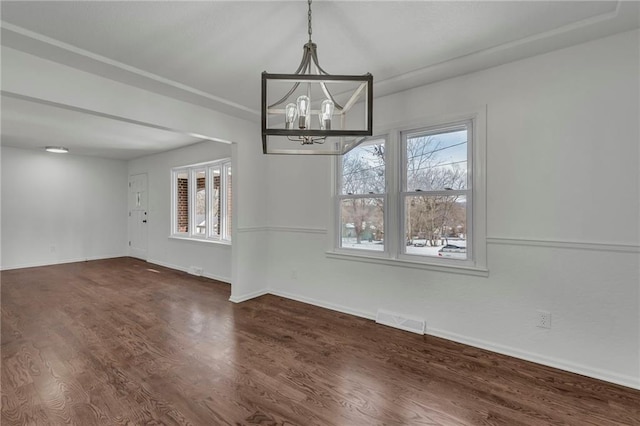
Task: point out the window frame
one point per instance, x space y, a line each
405 193
395 170
339 197
223 165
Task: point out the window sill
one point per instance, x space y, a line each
379 260
200 240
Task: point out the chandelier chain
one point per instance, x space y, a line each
309 14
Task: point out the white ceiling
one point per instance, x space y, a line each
212 53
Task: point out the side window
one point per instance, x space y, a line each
201 201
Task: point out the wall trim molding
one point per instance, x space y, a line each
247 229
226 280
248 296
572 245
61 262
560 364
300 230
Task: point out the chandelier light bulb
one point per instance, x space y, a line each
326 112
304 106
291 113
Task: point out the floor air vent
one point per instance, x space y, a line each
403 322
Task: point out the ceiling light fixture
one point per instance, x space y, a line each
57 149
307 112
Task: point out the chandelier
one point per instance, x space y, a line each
314 112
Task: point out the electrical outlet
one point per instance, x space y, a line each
544 319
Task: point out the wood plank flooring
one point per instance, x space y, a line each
123 342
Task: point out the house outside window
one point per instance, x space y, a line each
201 201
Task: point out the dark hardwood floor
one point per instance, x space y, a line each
123 342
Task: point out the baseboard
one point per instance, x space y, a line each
607 376
62 262
226 280
248 296
322 304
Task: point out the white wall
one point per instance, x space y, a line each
215 259
61 208
562 220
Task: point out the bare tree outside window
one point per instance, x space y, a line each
435 191
362 201
414 194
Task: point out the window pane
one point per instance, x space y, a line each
362 223
201 203
436 225
215 202
229 204
363 169
182 202
437 161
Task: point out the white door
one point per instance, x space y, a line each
138 218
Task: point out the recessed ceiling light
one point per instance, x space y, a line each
57 149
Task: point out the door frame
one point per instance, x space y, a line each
140 253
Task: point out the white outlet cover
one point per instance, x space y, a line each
543 319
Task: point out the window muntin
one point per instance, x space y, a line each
201 207
362 197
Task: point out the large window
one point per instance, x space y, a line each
201 201
415 195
